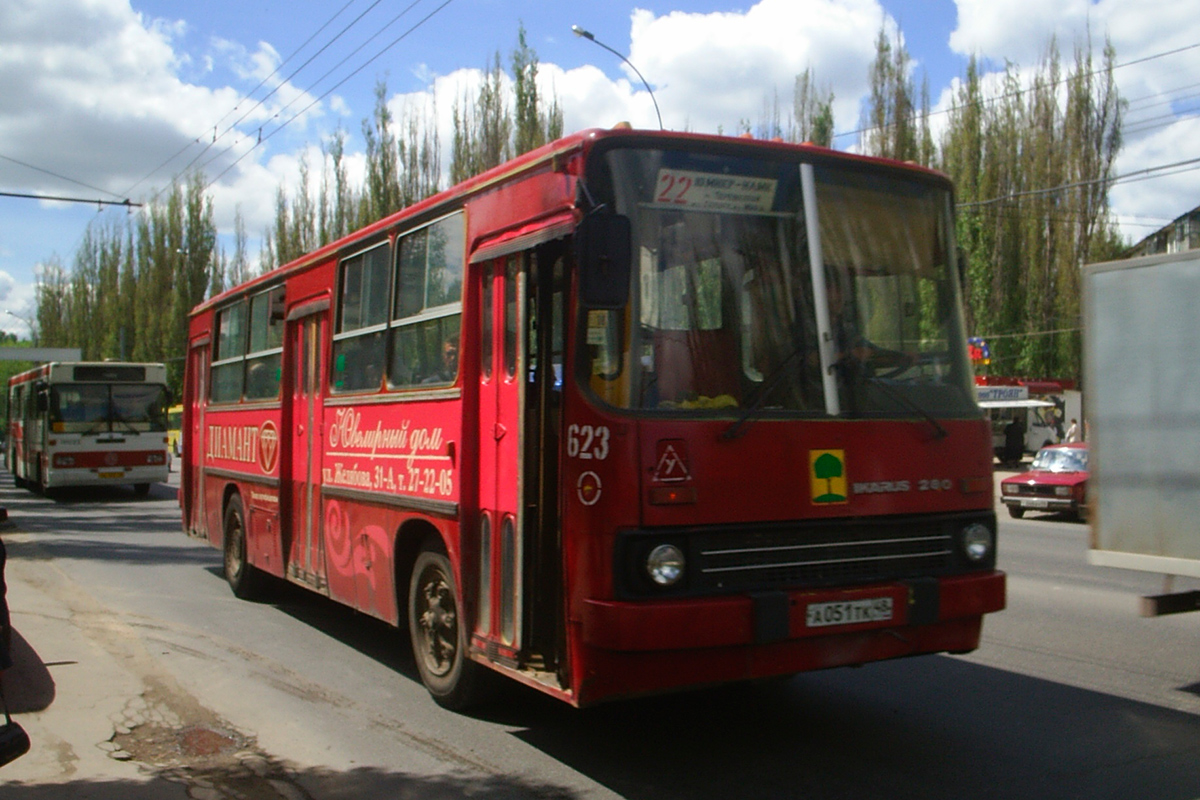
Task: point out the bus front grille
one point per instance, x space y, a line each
799 555
759 560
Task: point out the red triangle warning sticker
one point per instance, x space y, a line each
672 461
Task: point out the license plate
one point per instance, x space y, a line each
849 612
1035 503
112 474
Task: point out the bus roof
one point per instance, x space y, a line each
550 154
103 372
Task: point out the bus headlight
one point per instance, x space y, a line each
665 564
63 460
977 541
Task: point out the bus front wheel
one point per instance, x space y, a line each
438 632
244 579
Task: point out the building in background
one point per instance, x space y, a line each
1182 234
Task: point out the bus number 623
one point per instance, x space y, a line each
587 442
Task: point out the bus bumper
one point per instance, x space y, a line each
651 646
63 477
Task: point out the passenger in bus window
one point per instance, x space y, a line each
447 369
854 350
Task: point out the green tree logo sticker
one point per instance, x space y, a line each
827 476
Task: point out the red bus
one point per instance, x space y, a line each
633 412
88 424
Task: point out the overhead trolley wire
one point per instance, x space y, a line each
329 72
336 86
1141 174
44 171
992 100
249 94
233 125
127 203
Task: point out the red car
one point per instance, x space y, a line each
1056 481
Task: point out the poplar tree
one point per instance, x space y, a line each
890 127
1033 167
812 111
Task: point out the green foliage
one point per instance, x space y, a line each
891 129
488 130
132 284
1033 165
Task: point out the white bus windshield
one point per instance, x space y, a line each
101 408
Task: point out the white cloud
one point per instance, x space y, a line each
112 95
713 70
100 100
708 71
1143 205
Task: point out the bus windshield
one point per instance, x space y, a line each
735 282
101 408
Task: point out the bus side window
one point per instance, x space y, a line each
227 368
359 345
427 313
265 359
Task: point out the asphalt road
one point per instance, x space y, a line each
170 685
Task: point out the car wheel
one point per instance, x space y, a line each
1016 512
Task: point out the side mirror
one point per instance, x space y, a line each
42 401
604 248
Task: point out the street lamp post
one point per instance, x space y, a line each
578 31
28 322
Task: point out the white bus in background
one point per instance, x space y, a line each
88 424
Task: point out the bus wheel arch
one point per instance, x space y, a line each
244 579
438 630
412 537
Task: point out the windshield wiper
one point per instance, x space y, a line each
128 425
900 397
95 427
737 428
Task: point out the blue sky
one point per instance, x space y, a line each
99 93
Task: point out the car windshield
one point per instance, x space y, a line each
740 263
1061 459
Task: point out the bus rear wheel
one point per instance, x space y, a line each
244 579
439 638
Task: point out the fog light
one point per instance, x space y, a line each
977 541
665 565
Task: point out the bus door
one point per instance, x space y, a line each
501 473
520 383
192 459
302 462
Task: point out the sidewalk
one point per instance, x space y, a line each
106 719
70 688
